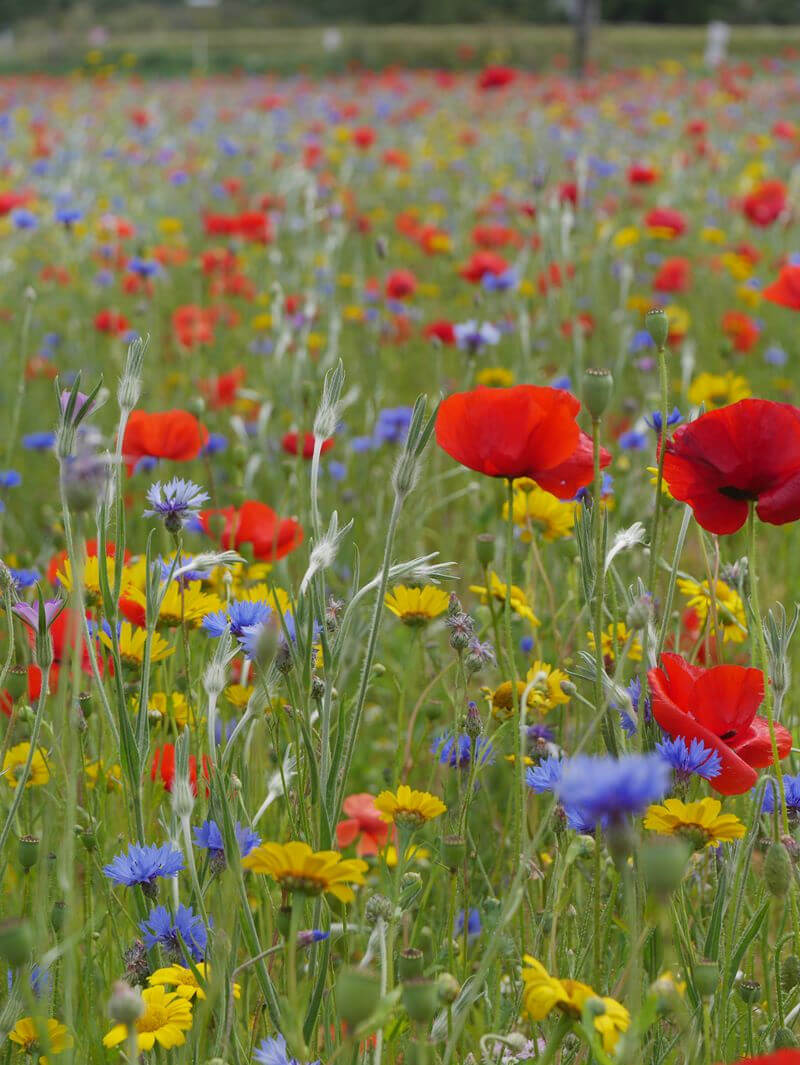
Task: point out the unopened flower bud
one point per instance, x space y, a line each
790 972
777 870
639 613
125 1005
485 549
663 863
28 852
783 1039
378 908
448 988
420 998
454 850
598 386
473 726
706 977
357 995
16 942
656 323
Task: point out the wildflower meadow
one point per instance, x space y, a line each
399 488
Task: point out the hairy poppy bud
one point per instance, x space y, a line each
484 549
790 972
454 850
657 325
777 870
663 864
420 999
357 994
598 385
706 977
16 942
125 1005
749 991
783 1039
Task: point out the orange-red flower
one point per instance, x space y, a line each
400 285
727 458
364 823
765 203
674 275
169 434
524 431
256 524
785 291
740 329
718 707
303 444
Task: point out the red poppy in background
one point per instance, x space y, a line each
669 220
786 290
364 824
674 275
727 458
524 431
164 767
303 444
765 204
400 285
221 391
442 330
193 325
740 329
642 174
169 434
778 1057
257 524
9 201
718 707
363 137
496 77
111 322
481 263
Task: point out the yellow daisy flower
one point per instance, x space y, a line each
131 645
297 868
14 762
543 993
730 608
407 807
497 591
28 1034
614 641
537 511
166 1017
718 390
184 981
413 854
701 822
91 578
417 606
495 377
238 695
96 771
174 705
547 693
196 604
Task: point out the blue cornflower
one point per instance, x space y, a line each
188 575
640 341
175 501
526 645
791 789
273 1052
359 444
546 776
392 425
337 470
39 441
471 337
161 928
215 444
539 733
457 751
68 215
632 440
10 479
629 724
564 382
209 837
473 923
239 615
22 218
509 279
775 356
143 864
25 578
654 419
610 787
696 758
144 267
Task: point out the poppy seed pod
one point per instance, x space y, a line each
485 548
421 999
749 991
598 386
28 851
16 942
410 963
657 325
357 995
454 850
706 977
663 864
790 972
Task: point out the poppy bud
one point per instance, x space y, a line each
777 870
16 942
58 915
125 1005
657 325
663 864
598 386
284 920
706 977
410 963
448 988
28 852
749 991
790 972
410 889
484 549
783 1039
357 994
420 999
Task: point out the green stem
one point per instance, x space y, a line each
664 383
599 592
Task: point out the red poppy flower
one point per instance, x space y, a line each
257 524
297 444
363 137
364 823
718 707
442 330
740 329
667 219
787 1056
221 391
169 434
786 290
163 766
765 204
495 236
642 174
482 263
747 452
524 431
111 322
674 275
496 77
400 285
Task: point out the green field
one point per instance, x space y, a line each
195 46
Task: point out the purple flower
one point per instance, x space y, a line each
29 612
144 864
